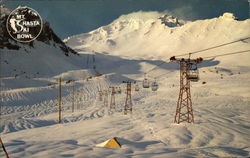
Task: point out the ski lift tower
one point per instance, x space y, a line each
184 111
112 99
128 103
105 99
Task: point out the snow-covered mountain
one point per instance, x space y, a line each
47 55
154 36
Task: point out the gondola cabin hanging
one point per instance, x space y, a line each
119 91
137 87
154 86
145 83
193 73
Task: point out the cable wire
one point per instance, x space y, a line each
195 52
239 52
156 66
214 56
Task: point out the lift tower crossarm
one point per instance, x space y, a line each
197 60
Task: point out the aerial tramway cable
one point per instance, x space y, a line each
239 52
214 56
195 52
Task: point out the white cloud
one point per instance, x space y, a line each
142 15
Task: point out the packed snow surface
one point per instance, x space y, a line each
123 51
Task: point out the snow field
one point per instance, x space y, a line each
124 50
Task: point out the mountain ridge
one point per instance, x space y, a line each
126 36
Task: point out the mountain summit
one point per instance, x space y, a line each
171 21
151 35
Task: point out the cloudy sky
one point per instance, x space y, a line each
70 17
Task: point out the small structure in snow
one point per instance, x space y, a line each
111 143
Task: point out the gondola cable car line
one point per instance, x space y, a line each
199 51
214 56
221 45
193 67
157 66
146 82
193 71
238 52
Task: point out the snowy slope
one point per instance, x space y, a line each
221 127
42 60
124 50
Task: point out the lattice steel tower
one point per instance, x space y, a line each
128 104
105 99
112 99
184 110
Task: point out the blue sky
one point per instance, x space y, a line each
70 17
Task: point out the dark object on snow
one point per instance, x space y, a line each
5 151
68 81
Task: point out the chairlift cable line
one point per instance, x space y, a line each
156 66
214 56
221 45
232 53
239 52
195 52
